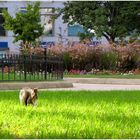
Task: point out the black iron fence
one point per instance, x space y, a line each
15 67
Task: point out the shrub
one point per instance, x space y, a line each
109 60
67 61
129 57
79 55
112 57
94 57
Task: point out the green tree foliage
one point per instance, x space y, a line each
111 19
86 35
25 26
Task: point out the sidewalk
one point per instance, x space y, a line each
102 84
104 81
79 86
39 85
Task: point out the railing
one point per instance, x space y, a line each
15 67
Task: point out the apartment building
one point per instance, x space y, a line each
54 31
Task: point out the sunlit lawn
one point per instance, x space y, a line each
72 114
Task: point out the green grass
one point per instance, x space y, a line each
129 76
72 114
29 77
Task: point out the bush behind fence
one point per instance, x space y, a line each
80 56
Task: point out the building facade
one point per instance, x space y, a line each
54 31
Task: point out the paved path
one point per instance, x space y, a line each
79 86
104 81
40 85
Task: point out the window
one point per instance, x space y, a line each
47 21
73 30
3 46
22 10
2 30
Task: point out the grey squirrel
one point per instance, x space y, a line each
28 96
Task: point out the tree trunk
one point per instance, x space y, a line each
109 38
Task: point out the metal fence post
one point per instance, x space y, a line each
25 73
2 63
45 55
62 65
